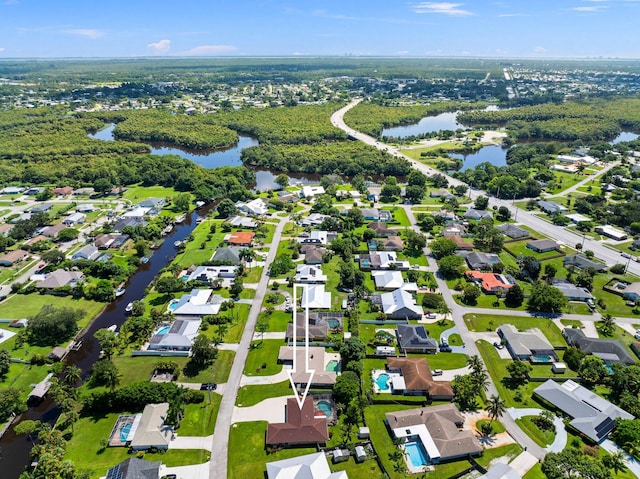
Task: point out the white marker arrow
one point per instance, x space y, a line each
306 376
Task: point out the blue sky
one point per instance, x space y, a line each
484 28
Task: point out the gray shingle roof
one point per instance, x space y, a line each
575 337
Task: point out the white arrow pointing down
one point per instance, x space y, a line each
307 376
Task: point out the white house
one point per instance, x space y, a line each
254 207
611 232
208 274
138 212
315 297
310 466
74 219
200 302
310 273
400 304
311 191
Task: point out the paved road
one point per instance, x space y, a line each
558 233
220 441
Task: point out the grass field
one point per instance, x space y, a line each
541 438
263 353
138 193
252 395
200 419
486 322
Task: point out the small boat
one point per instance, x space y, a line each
199 220
181 218
129 308
144 259
199 203
177 244
154 245
113 327
119 292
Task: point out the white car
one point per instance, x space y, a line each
637 335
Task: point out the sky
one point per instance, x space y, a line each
468 28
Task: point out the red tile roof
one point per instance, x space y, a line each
300 427
241 237
489 281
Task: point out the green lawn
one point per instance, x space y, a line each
139 193
85 451
200 419
614 304
24 305
252 395
510 451
445 360
262 359
366 470
541 438
247 453
486 322
22 376
278 321
496 426
399 216
535 472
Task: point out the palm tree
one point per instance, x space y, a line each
475 364
480 381
615 462
71 375
112 379
495 407
445 311
607 324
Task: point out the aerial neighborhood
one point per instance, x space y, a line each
392 313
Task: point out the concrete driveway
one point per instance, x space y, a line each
195 471
270 410
559 442
191 442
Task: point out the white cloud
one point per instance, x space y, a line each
298 54
1 49
504 15
589 9
163 46
402 52
85 32
209 50
444 8
539 49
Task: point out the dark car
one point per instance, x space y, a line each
445 349
498 345
208 386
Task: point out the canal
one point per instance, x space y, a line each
14 450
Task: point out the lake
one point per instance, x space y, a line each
494 154
443 121
265 179
625 136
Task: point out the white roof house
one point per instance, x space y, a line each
611 232
315 237
138 212
400 304
311 191
388 279
315 297
310 466
253 207
74 219
197 303
150 429
577 218
211 273
314 219
310 273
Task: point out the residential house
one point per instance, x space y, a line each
501 470
454 229
60 278
23 217
84 192
310 274
309 466
302 426
631 291
12 190
592 415
5 228
445 214
438 428
611 232
36 239
74 219
392 243
255 207
382 260
208 274
152 203
491 283
313 254
12 257
122 223
110 240
311 191
117 191
320 324
416 379
572 292
388 280
474 214
63 191
413 338
316 238
138 212
482 261
461 244
198 303
227 255
41 208
240 238
287 197
577 218
381 229
86 208
315 297
151 430
513 231
180 336
134 468
441 193
609 350
582 262
530 345
241 222
89 252
314 219
52 231
543 245
317 360
400 304
551 207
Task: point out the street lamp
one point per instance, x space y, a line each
627 267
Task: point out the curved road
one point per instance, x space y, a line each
558 233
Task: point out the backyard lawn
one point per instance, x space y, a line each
366 470
200 419
262 359
541 438
252 395
487 322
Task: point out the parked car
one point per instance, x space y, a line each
498 345
625 255
445 349
637 335
436 372
208 387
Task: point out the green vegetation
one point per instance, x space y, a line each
541 437
252 395
263 358
486 322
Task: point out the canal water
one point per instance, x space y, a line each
494 154
625 136
428 124
14 449
265 179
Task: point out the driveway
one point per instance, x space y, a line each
559 442
270 410
274 379
196 471
631 462
191 442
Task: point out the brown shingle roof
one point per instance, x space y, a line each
300 426
415 371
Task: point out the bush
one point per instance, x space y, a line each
617 269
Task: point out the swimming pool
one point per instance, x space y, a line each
124 432
383 381
417 454
333 323
325 407
173 304
332 366
541 358
164 330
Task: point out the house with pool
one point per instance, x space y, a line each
326 365
530 345
302 426
411 377
432 435
320 325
